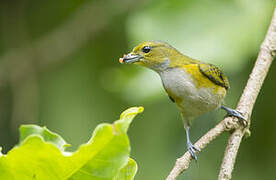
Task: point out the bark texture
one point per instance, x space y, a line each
245 105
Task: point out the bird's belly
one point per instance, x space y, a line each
191 99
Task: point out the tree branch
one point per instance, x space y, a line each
249 96
246 103
183 162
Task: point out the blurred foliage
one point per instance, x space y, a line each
75 82
41 154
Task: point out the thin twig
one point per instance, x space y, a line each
183 162
266 55
249 96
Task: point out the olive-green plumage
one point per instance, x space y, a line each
194 86
161 50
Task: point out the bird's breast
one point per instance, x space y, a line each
192 97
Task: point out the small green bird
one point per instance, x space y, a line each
194 86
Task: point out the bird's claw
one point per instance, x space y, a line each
236 113
239 115
192 150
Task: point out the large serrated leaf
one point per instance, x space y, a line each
40 154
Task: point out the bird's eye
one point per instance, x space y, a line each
146 49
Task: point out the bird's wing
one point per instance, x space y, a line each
214 74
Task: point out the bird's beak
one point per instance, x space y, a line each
130 58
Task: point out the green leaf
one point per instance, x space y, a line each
33 159
43 132
128 172
108 150
40 154
127 117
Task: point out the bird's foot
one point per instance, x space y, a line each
236 113
192 150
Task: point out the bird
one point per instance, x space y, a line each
194 86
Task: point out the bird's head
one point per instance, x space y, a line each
152 54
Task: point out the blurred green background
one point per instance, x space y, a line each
59 68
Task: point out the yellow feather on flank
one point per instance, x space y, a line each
196 87
201 80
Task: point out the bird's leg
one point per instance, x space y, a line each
235 113
191 148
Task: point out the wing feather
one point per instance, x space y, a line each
214 74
